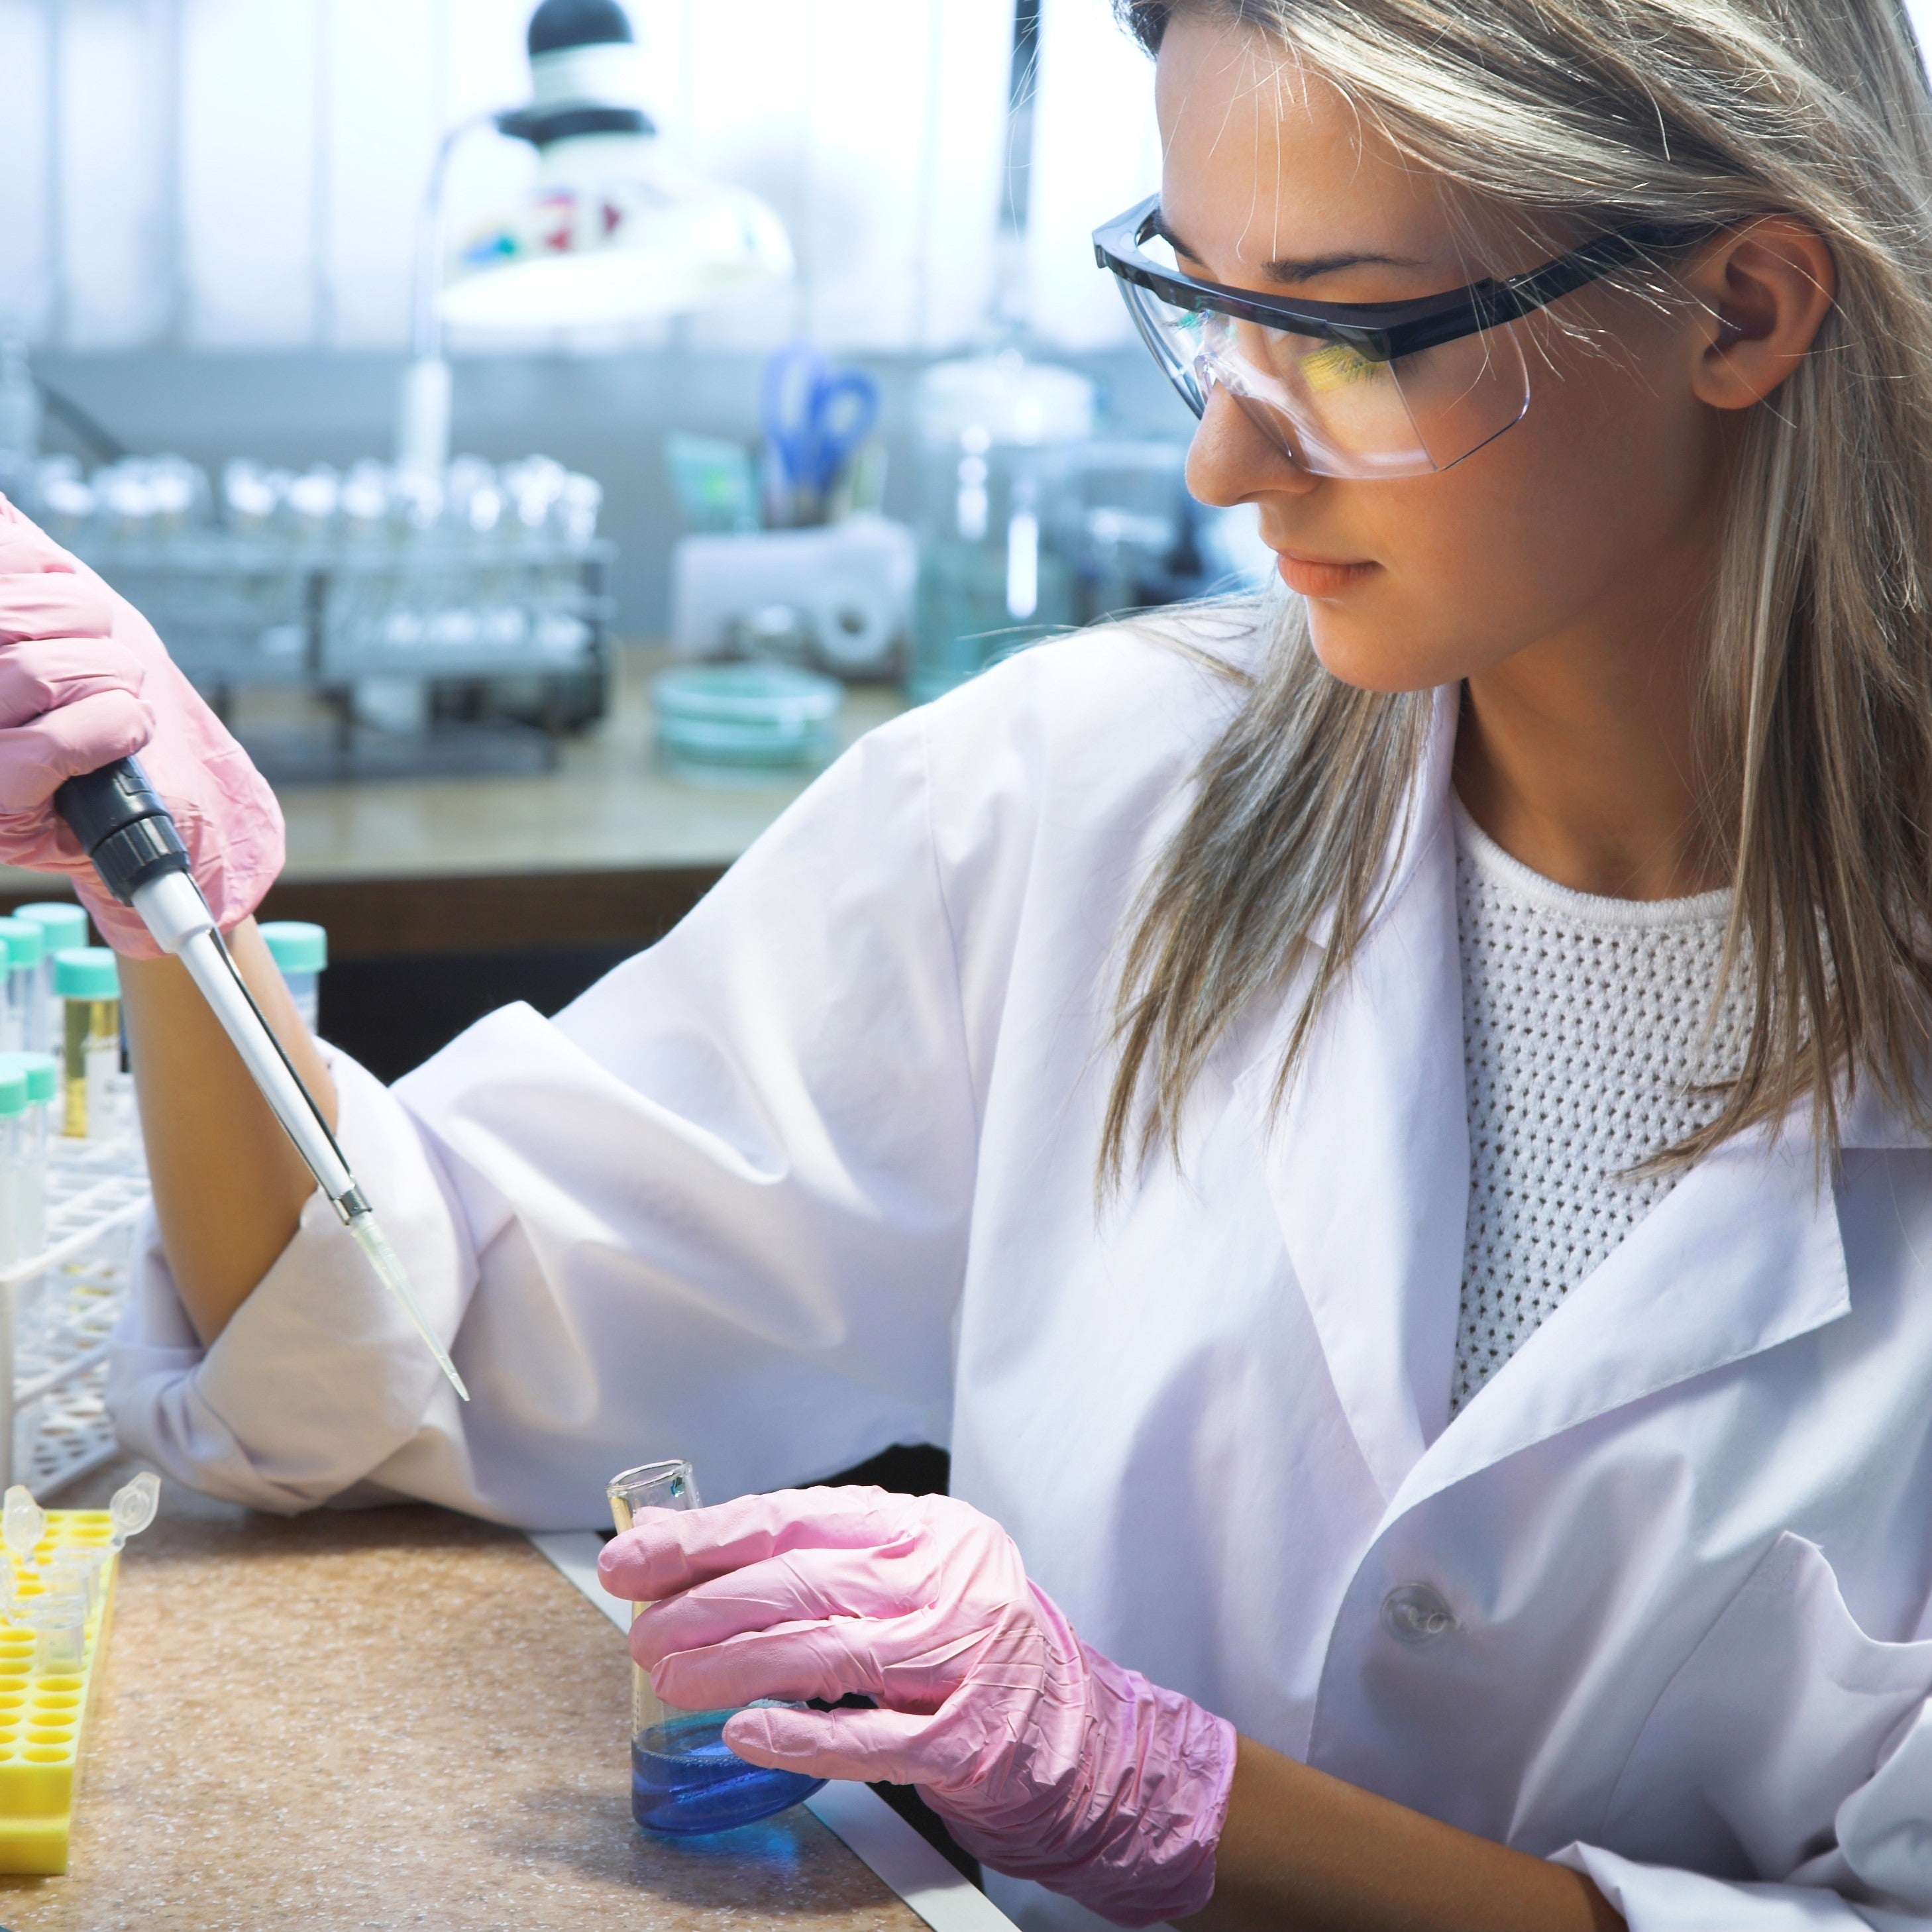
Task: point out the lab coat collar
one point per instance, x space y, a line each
1367 1164
1367 1160
1743 1254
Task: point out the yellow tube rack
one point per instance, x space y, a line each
43 1720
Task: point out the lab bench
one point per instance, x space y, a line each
390 1717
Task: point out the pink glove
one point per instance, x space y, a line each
83 681
1047 1761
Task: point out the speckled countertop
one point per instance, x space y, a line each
389 1717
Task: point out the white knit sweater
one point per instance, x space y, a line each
1584 1048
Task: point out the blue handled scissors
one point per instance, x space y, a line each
815 416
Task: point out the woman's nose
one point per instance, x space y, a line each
1232 459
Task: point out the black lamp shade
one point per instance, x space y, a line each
559 24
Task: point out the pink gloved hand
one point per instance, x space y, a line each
83 681
1047 1761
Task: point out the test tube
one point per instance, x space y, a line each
12 1013
88 987
41 1073
300 950
63 926
13 1120
26 944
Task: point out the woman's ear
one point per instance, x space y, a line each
1766 290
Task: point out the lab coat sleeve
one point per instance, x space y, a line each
717 1208
1665 1898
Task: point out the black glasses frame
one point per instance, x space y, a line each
1379 332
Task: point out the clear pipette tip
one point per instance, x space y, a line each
383 1259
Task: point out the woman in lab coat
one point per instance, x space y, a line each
1384 1128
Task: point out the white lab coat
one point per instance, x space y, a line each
815 1174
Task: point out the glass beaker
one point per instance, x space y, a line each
996 437
685 1779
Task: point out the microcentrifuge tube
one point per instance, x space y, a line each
23 1523
77 1572
132 1507
59 1625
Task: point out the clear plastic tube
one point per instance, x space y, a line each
25 943
388 1267
12 1248
300 949
24 1013
63 925
36 1129
303 990
90 1043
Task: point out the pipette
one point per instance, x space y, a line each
126 830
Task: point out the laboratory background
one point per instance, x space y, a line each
432 428
547 436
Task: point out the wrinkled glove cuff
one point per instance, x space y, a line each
1139 1845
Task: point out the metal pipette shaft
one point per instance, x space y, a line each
139 853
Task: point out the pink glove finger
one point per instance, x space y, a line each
665 1551
83 680
895 1659
863 1746
47 672
809 1660
37 602
36 758
801 1586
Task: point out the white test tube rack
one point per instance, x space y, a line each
53 1415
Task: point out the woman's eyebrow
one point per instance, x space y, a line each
1291 270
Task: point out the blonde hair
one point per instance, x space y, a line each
1597 114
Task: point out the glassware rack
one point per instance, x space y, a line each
58 1306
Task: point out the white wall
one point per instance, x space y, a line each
1096 152
244 173
225 174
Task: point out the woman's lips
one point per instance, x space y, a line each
1313 578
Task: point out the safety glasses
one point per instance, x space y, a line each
1362 389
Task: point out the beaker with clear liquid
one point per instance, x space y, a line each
685 1779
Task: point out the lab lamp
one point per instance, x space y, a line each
609 233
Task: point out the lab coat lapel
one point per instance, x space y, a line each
1367 1162
1743 1253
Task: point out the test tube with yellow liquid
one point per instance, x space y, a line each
88 987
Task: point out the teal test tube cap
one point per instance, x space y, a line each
63 921
296 945
86 972
42 1073
14 1097
25 940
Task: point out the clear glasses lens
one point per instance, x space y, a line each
1333 410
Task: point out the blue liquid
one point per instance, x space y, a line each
685 1779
